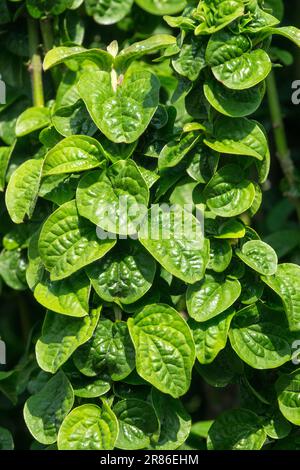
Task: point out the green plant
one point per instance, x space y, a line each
130 314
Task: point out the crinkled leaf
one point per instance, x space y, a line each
61 336
288 395
216 14
211 296
115 199
69 242
137 423
45 411
122 115
22 190
159 7
165 351
89 427
124 275
32 120
173 152
259 256
175 239
108 12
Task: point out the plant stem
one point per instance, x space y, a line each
35 66
283 152
48 41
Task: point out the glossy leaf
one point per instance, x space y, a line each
286 283
45 411
288 394
68 242
157 7
236 430
211 336
124 275
115 199
211 296
61 336
89 427
32 120
137 422
62 54
76 153
175 240
228 193
165 350
122 113
108 12
259 256
22 190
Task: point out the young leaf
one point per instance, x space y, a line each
259 256
59 55
123 112
32 120
175 151
137 423
22 190
157 7
61 336
89 427
216 14
45 411
211 296
165 351
124 275
68 242
236 430
73 154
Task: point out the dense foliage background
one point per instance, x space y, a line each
21 316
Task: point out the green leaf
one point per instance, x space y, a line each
45 411
69 296
5 154
276 426
22 190
220 255
108 12
175 239
224 46
211 296
245 71
123 111
159 7
12 269
61 336
288 32
89 427
32 120
238 137
38 8
63 54
110 350
6 439
224 370
228 193
73 154
175 422
259 256
211 336
72 120
191 59
137 423
151 45
262 345
115 199
86 387
216 14
203 163
286 283
173 152
288 395
236 430
68 242
124 275
234 103
165 351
